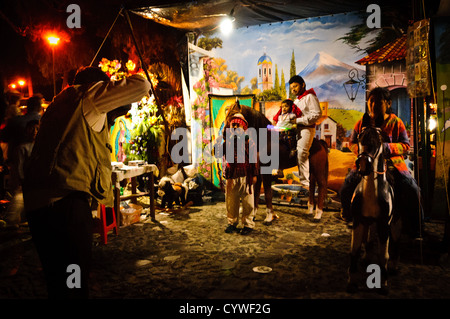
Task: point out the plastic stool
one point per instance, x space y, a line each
104 228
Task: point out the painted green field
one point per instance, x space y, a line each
347 118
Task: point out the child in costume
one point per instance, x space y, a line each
240 173
283 123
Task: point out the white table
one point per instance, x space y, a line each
124 172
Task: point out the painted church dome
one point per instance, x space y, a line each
264 59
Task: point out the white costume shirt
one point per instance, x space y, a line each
284 120
311 111
103 97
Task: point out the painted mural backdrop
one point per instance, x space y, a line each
267 56
260 60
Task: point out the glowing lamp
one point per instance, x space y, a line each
53 40
21 82
226 26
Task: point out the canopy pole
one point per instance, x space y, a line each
160 111
109 31
144 67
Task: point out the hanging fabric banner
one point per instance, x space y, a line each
417 59
218 105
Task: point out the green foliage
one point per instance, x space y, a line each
282 86
208 43
144 142
276 83
269 95
292 72
394 24
355 35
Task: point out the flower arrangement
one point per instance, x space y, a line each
116 70
200 111
146 131
147 134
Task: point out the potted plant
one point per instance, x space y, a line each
290 178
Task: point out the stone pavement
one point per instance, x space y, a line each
187 255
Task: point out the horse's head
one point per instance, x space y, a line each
370 149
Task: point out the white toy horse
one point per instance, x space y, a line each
372 206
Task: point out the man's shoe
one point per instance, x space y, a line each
246 230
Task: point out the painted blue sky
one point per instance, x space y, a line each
306 37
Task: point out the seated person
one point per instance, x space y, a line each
396 145
284 124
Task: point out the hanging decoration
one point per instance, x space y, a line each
139 135
418 59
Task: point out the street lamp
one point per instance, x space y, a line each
53 40
21 84
352 86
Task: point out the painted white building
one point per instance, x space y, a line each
327 131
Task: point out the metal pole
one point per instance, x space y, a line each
144 67
53 66
104 39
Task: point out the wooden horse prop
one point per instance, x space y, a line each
372 206
318 162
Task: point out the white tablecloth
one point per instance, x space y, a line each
125 171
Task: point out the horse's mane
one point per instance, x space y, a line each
370 137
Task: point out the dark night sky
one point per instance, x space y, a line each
25 53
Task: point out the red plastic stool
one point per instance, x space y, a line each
103 227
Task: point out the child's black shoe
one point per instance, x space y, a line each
246 230
231 229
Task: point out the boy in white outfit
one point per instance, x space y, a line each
308 103
285 117
285 125
240 173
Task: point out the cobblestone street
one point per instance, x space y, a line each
189 256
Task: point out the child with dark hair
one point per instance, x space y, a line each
395 146
240 171
283 123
